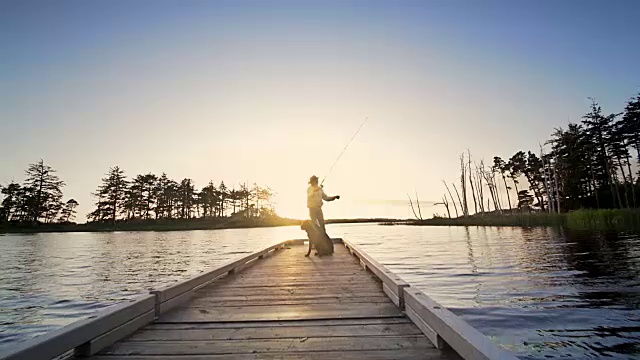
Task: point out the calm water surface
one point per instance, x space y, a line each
541 293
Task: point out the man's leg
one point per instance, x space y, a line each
313 217
317 218
320 216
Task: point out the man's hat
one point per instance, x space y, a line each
313 178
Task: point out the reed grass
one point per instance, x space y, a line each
614 219
606 219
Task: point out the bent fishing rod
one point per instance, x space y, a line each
343 150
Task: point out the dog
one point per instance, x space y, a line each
318 239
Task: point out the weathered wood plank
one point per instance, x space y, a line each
275 332
295 292
431 334
208 303
338 287
287 323
359 283
269 345
462 337
290 312
400 354
310 275
279 297
104 340
164 306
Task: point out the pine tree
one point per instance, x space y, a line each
44 190
143 192
166 192
186 198
631 124
111 196
10 208
68 212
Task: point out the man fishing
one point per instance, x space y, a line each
315 196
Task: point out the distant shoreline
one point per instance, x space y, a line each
172 225
607 219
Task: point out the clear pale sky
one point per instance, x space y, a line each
271 91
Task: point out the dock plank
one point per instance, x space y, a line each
204 347
285 306
402 354
280 312
276 332
264 301
257 324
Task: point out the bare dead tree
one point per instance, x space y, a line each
481 192
490 179
446 205
452 199
463 185
459 199
412 208
496 189
471 175
479 187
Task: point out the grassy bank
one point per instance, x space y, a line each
609 219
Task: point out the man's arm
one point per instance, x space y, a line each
329 198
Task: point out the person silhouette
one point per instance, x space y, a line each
315 197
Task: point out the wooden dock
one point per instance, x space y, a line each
275 304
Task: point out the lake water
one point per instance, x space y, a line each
541 292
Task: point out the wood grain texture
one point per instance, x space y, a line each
402 354
302 344
276 332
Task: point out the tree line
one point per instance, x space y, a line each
39 199
589 165
148 196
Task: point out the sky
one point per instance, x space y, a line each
271 91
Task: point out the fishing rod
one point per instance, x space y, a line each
343 150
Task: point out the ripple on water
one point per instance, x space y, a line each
540 292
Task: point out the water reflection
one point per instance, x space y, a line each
540 292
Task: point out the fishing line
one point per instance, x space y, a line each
343 150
